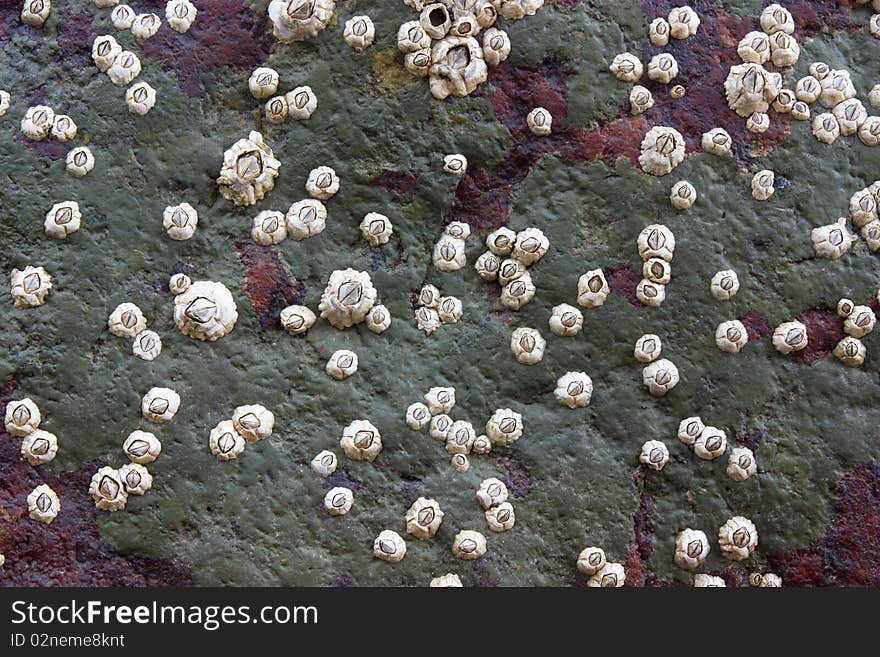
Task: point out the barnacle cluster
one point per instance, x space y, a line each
205 311
708 442
249 170
859 321
23 419
348 299
434 310
128 321
508 259
41 122
299 103
249 424
602 573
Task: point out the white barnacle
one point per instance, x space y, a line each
126 66
662 68
338 501
145 26
784 49
860 322
657 271
105 50
800 111
449 310
458 229
449 253
35 12
833 240
449 580
845 308
527 345
540 122
683 22
717 142
79 161
342 364
324 464
297 20
691 549
510 270
492 492
742 464
263 83
376 228
850 115
63 128
440 399
530 246
690 429
775 18
411 37
862 207
43 504
738 538
135 478
660 377
436 19
39 447
457 67
108 489
768 580
658 32
180 15
724 285
253 422
378 319
648 348
427 320
711 443
640 99
611 575
758 122
496 46
837 87
140 98
460 437
566 320
142 447
160 405
754 48
348 298
456 164
808 89
180 221
322 183
518 292
487 266
269 227
678 91
62 220
122 17
850 351
789 337
593 289
626 67
429 296
682 195
762 185
30 286
225 442
276 109
206 311
22 417
361 441
389 546
500 518
871 233
651 294
662 150
439 427
874 25
482 445
5 101
505 427
306 218
469 545
731 336
591 560
654 454
418 62
501 241
249 170
424 518
750 88
146 345
460 462
574 389
703 581
359 32
874 96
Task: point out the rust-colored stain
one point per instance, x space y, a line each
757 325
267 283
624 280
518 476
402 183
824 331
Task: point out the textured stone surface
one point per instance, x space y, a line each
574 476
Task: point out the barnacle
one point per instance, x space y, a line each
725 283
469 545
43 504
742 464
347 298
648 348
769 580
640 99
501 518
108 490
457 67
657 271
683 22
179 283
338 501
758 122
703 581
487 266
423 518
690 429
496 46
322 183
30 286
574 389
39 447
711 443
566 320
126 66
517 9
800 111
5 101
658 32
378 319
662 68
361 441
160 405
518 292
691 549
492 492
455 164
458 229
836 88
263 82
871 234
324 464
440 399
35 12
136 479
862 207
850 115
142 447
784 49
527 345
105 50
419 62
180 221
510 270
37 122
225 442
62 220
79 161
530 246
850 351
662 150
359 32
342 364
591 560
754 48
808 89
626 67
738 538
682 195
501 241
306 218
593 289
63 128
611 575
180 15
449 253
206 311
505 427
389 546
277 109
145 25
376 228
122 16
860 322
147 345
140 98
790 336
650 294
731 336
654 454
297 20
269 227
439 427
540 122
412 38
833 240
450 309
762 185
660 377
22 417
717 141
750 88
449 580
253 422
845 308
427 320
436 20
776 18
249 170
482 445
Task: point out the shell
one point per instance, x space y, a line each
180 15
62 220
850 351
690 429
501 241
540 122
762 185
518 292
660 377
179 283
657 271
593 289
591 560
180 221
427 320
63 128
249 170
105 50
160 405
269 227
833 240
826 129
469 545
276 109
640 99
30 286
342 364
784 50
263 83
574 389
505 427
5 101
742 464
322 183
324 464
860 322
683 22
79 161
35 12
126 66
225 442
439 427
460 437
789 337
452 73
650 294
754 48
662 150
658 32
142 447
450 310
662 68
22 417
338 501
424 518
376 228
711 443
738 538
724 285
691 549
43 504
850 115
136 479
648 348
501 518
39 447
531 245
654 454
449 253
703 581
751 88
298 20
440 399
361 441
436 20
775 18
306 218
348 298
492 492
717 142
359 32
145 26
731 336
378 319
566 320
611 575
496 46
126 320
389 546
417 416
626 67
206 311
527 345
456 164
449 580
108 490
836 87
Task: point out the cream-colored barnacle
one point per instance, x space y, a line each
682 195
206 311
654 455
658 32
464 23
37 122
874 25
146 345
269 227
574 389
496 46
179 283
657 271
650 294
660 377
126 66
850 115
510 270
436 20
540 122
860 322
492 492
126 320
487 266
63 128
458 229
105 50
591 560
485 11
683 22
306 218
640 99
711 443
180 221
742 464
717 142
482 445
662 68
626 67
142 447
5 101
276 109
449 253
108 489
754 48
361 441
297 20
359 32
457 67
460 437
22 417
322 183
429 296
378 319
691 549
30 286
862 207
338 501
417 416
762 185
784 49
469 545
439 427
750 88
501 241
418 62
800 111
517 9
789 337
833 240
725 283
35 12
501 518
593 289
122 17
180 15
79 161
505 427
427 320
225 442
769 580
376 228
738 538
450 309
836 88
874 96
519 292
661 150
43 504
39 447
808 89
845 308
348 298
776 18
135 478
566 320
850 351
758 122
263 82
611 575
731 336
423 518
389 546
648 348
342 364
160 405
249 170
456 164
62 220
527 345
530 246
145 26
449 580
678 91
253 422
324 464
440 399
411 37
690 429
871 234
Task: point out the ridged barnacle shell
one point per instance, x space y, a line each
389 546
682 195
160 405
253 422
378 319
775 18
833 240
593 289
458 229
530 246
731 336
654 454
850 351
518 292
126 320
501 241
724 284
742 464
754 48
836 88
640 99
662 150
249 170
460 437
269 227
845 308
450 309
180 15
39 447
611 575
457 67
359 32
411 37
662 68
750 88
105 50
338 501
527 345
43 504
376 228
322 183
807 89
63 128
789 337
361 441
140 98
626 67
206 311
30 286
439 427
860 322
142 447
306 218
37 122
482 445
347 298
180 221
703 581
800 111
342 364
660 377
517 9
505 427
689 429
424 518
460 462
496 46
657 271
501 518
871 234
469 545
651 294
691 549
456 164
591 560
263 83
145 26
648 348
711 443
447 581
35 12
324 464
440 399
122 17
850 115
107 489
683 22
79 161
758 122
738 538
22 417
656 241
574 389
418 62
762 185
510 270
225 442
435 19
5 101
862 207
540 122
717 141
784 49
62 220
126 67
429 296
297 20
136 479
566 320
449 253
427 319
276 109
417 416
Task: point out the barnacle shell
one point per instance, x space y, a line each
136 479
574 389
427 320
657 271
527 345
450 309
37 122
455 164
751 88
126 320
145 26
142 447
62 220
711 443
253 422
160 405
662 68
108 490
762 185
683 22
440 399
449 253
591 560
147 345
22 417
691 549
654 454
180 221
322 183
717 141
833 240
776 18
518 292
850 351
517 9
419 62
469 545
460 437
439 427
510 270
496 46
703 581
378 319
429 296
784 49
324 464
808 89
758 122
800 111
640 99
566 320
122 17
648 348
611 575
505 427
423 518
860 322
593 289
458 229
225 442
501 518
411 37
179 283
5 101
43 504
63 128
297 20
845 308
446 581
871 234
269 227
501 241
180 15
206 311
263 83
626 67
836 87
125 67
39 447
862 207
35 12
790 336
376 228
417 416
361 441
754 48
742 464
460 462
347 298
724 284
650 294
249 170
79 161
306 218
436 20
338 501
731 336
660 377
662 150
105 50
769 580
389 546
276 109
530 246
540 122
850 115
738 538
30 286
482 445
457 67
359 32
690 429
342 364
